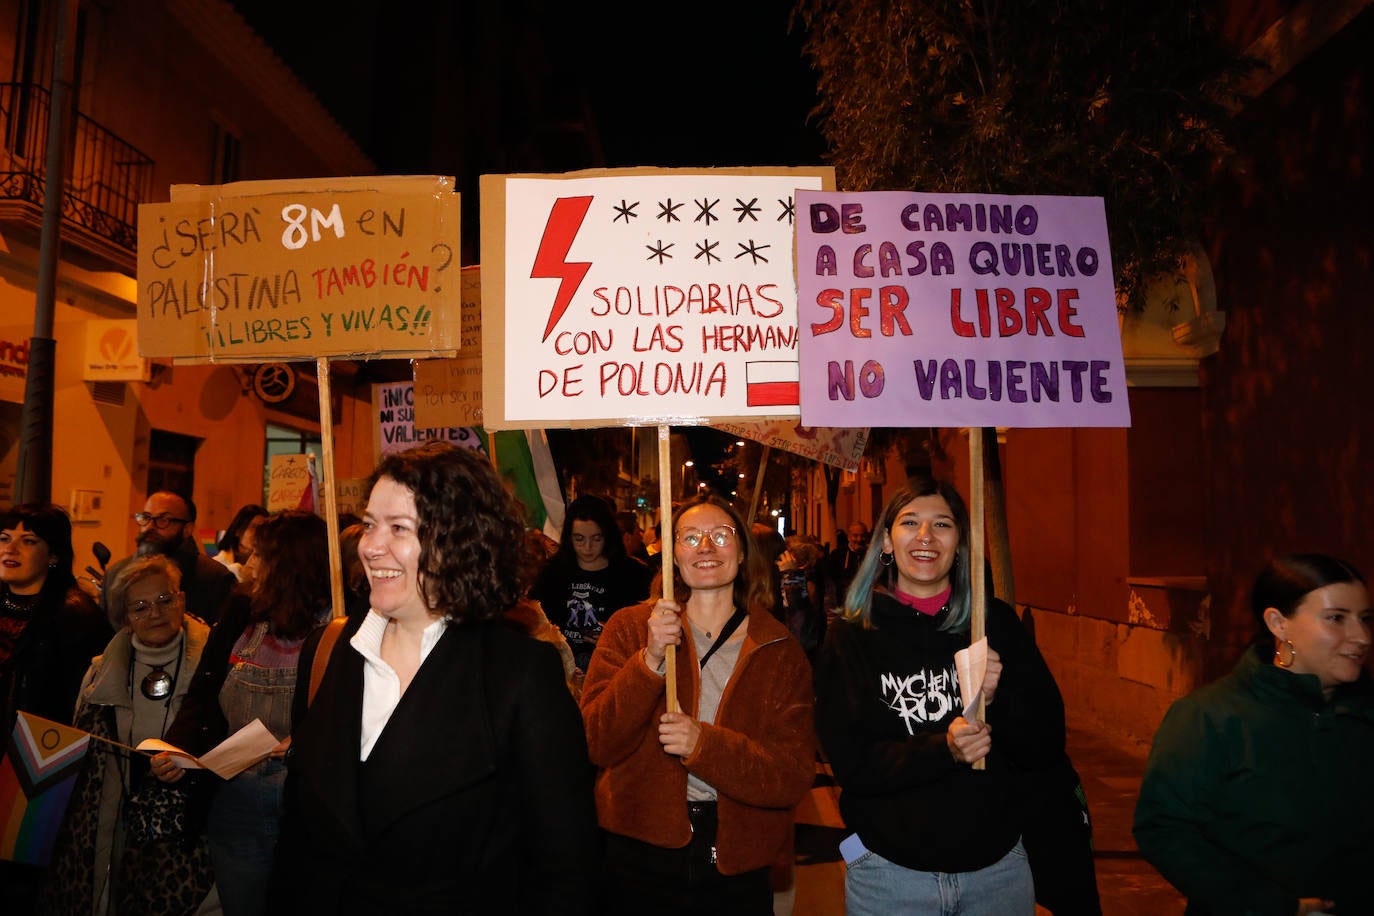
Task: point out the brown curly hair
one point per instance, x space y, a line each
472 539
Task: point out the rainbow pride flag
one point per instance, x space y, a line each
37 776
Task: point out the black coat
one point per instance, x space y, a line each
43 674
477 797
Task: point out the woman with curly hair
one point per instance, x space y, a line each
247 672
441 764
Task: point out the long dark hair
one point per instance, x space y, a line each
1285 581
291 588
472 539
871 574
54 526
596 510
753 586
242 519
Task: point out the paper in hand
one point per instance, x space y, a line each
231 757
971 665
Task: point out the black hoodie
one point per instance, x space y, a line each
885 697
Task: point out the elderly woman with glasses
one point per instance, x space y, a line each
114 854
698 803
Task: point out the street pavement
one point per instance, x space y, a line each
1111 772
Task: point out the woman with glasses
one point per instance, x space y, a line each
49 631
247 672
930 832
698 803
112 854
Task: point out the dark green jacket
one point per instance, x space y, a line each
1257 793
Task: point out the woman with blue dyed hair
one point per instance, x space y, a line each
931 832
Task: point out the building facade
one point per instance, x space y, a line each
166 92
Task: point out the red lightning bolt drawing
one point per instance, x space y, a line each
550 261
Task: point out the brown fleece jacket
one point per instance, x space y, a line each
760 753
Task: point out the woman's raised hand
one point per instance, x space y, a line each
665 629
968 741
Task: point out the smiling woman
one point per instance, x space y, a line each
891 716
1255 796
697 803
442 750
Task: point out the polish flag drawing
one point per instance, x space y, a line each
772 383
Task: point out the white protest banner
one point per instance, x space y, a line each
841 448
640 296
957 310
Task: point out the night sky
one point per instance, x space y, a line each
466 89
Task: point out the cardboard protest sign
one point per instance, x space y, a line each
397 431
300 269
640 296
957 310
448 392
841 448
292 483
350 495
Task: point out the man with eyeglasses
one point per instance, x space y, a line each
167 526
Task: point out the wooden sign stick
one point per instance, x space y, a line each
977 581
666 544
758 485
331 498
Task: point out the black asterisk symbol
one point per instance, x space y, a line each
625 210
789 210
754 250
707 249
705 205
667 210
660 251
750 210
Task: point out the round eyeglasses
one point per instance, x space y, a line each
163 602
721 536
160 522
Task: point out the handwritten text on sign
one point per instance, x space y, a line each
396 429
651 296
298 273
957 310
448 392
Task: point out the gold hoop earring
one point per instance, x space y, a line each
1292 655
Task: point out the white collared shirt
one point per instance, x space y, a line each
381 683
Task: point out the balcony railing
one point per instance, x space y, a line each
107 178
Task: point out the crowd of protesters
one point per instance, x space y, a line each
643 751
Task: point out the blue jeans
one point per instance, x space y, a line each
242 833
873 886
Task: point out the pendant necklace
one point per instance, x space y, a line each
157 685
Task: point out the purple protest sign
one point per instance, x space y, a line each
956 310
